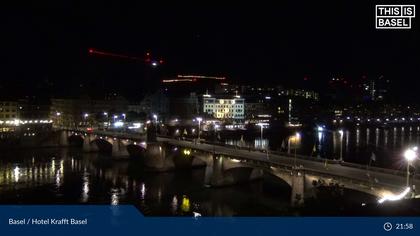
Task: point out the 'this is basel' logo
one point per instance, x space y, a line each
394 16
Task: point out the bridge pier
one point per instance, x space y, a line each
64 138
155 157
89 145
119 148
224 171
298 188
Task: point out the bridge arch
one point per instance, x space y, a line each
104 144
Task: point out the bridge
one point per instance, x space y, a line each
227 165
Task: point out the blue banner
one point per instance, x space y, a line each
127 220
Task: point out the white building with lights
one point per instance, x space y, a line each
232 108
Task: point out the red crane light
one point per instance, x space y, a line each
148 59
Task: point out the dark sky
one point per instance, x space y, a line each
277 42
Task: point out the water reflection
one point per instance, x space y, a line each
367 136
174 205
143 191
357 138
394 139
35 177
115 199
354 144
85 188
16 173
185 205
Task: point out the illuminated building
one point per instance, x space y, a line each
8 110
231 108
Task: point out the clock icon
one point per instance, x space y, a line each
387 226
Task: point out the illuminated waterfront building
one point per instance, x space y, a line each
224 108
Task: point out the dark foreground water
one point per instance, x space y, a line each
67 176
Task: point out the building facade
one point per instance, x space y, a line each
76 112
9 110
224 108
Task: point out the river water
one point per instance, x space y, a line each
68 176
354 144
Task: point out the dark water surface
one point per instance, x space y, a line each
68 176
354 145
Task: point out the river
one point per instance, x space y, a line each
69 176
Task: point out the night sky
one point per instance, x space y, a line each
47 43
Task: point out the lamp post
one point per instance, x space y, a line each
156 123
107 120
216 126
199 119
58 114
409 155
297 137
85 116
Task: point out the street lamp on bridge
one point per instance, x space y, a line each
297 138
410 155
199 119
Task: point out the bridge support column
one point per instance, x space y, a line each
298 188
119 149
213 172
88 145
209 172
64 138
225 171
158 158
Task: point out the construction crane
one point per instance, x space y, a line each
147 59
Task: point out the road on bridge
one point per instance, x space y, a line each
361 174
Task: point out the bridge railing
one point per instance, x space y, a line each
303 157
121 135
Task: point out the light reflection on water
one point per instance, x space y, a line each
35 177
357 143
71 177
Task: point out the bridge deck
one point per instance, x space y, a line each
385 178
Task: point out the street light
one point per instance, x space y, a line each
341 132
58 114
410 154
156 123
297 138
199 119
86 115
